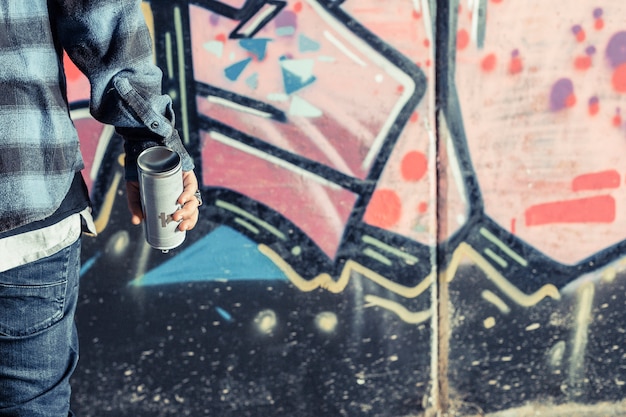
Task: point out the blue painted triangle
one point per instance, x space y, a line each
306 44
234 71
303 68
257 46
294 82
223 254
253 81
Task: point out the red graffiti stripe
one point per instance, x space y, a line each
597 181
599 209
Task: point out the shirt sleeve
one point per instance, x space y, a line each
108 40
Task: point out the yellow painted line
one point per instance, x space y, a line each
407 316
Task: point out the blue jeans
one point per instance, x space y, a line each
38 341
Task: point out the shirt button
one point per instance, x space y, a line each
154 125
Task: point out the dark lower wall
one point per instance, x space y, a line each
410 206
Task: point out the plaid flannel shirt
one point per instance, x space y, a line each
39 148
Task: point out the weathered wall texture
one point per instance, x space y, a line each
410 207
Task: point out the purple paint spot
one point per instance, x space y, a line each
562 95
576 29
616 49
590 50
594 105
515 53
214 19
286 18
597 13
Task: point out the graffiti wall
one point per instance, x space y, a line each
411 207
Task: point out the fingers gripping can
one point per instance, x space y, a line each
160 185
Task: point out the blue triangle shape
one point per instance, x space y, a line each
293 82
234 71
223 254
257 46
253 81
306 44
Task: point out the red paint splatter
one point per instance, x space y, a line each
384 209
462 39
594 106
415 117
617 120
516 65
619 79
414 166
496 1
513 225
400 89
582 62
599 24
426 43
570 101
297 7
599 21
416 15
597 181
71 71
599 209
488 63
422 207
221 37
579 32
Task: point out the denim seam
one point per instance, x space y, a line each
65 274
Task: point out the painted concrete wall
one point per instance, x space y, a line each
411 207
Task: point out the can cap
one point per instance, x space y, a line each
158 159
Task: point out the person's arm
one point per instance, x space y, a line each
108 40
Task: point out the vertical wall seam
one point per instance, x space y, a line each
444 46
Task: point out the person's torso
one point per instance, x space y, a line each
39 149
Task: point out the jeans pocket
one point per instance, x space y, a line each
28 309
33 296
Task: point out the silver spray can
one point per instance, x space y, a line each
160 185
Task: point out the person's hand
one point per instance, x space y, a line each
187 215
